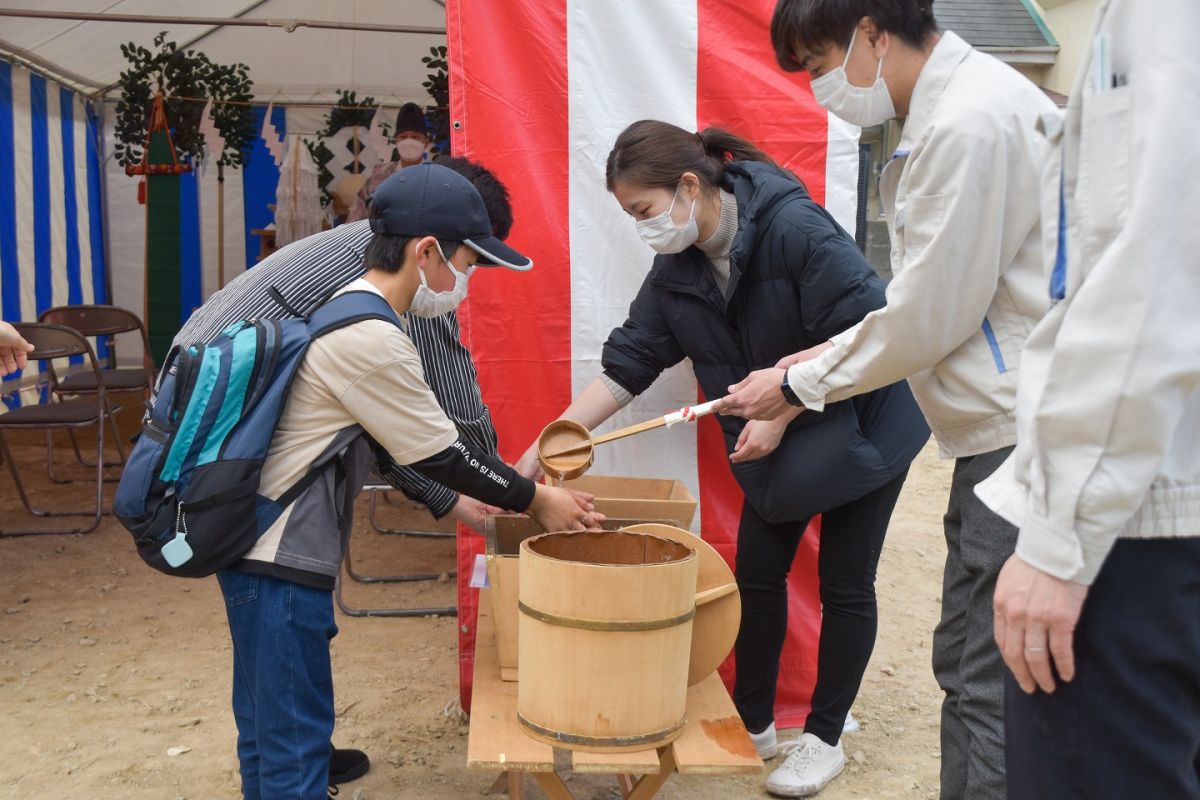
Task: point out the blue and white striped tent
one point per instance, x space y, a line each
51 207
71 229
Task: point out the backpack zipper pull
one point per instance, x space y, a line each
178 552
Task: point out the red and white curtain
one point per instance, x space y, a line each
540 89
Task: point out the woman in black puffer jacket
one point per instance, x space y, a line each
751 270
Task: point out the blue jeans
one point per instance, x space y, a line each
282 684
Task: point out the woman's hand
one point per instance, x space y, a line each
528 465
760 438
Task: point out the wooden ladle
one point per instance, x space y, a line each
566 449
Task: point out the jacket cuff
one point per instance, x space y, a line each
806 384
439 499
622 395
1056 551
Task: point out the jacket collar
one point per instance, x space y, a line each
948 53
759 189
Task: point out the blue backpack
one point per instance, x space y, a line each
189 492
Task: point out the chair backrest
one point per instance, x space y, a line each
59 341
98 320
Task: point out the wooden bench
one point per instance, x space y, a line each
714 740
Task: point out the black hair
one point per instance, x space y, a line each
385 251
655 154
494 193
816 24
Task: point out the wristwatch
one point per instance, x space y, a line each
788 394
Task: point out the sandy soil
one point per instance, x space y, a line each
105 666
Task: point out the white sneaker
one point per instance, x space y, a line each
766 743
810 765
851 724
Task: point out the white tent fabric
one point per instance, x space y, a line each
306 65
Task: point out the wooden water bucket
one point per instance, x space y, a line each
604 640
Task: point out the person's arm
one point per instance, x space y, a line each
1125 365
634 356
399 413
487 479
440 500
960 203
1123 375
643 347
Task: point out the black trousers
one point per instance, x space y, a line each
851 540
1128 726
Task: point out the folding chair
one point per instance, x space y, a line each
374 487
50 342
100 322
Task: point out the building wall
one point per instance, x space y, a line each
1071 23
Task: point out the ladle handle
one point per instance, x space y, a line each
715 593
692 412
621 433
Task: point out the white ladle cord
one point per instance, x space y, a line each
692 413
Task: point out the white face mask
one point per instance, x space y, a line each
859 105
662 234
410 149
428 303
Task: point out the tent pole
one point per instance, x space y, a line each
288 25
73 79
220 225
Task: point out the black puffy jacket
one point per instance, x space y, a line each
796 279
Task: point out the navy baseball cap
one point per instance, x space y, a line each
432 200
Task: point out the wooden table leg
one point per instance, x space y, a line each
510 783
625 783
553 786
648 785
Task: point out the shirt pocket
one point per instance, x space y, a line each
920 223
1102 193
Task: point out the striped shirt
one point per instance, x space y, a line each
311 269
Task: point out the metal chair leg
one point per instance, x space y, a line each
400 531
408 578
95 515
120 462
445 611
448 611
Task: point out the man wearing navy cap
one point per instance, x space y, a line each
430 231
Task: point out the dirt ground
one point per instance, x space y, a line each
107 669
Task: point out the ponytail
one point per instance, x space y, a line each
655 154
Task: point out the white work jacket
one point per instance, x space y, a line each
1109 401
961 200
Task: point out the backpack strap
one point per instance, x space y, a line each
348 309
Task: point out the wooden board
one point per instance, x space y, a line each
644 762
496 740
714 742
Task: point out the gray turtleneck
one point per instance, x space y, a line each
716 248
